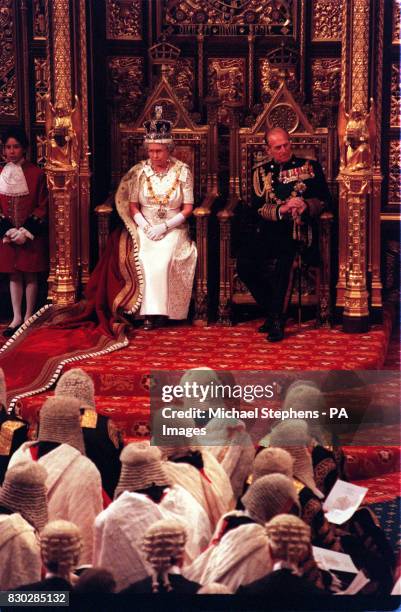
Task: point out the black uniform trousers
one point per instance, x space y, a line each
264 264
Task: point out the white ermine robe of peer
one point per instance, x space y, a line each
20 560
74 489
241 556
168 265
119 531
211 487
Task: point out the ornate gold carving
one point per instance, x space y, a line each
326 20
226 81
182 79
396 22
379 32
357 138
395 110
228 17
360 53
345 55
84 168
126 85
124 19
283 115
394 168
164 53
326 74
39 22
41 87
61 53
270 79
41 144
356 295
63 129
8 82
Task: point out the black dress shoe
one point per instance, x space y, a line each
276 331
265 327
148 324
10 331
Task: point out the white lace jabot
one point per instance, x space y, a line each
13 181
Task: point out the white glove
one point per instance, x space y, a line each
140 220
26 233
19 238
175 221
11 233
156 232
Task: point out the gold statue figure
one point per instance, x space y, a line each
357 137
63 130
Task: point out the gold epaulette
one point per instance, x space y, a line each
6 435
268 212
89 419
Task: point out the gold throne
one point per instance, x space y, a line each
193 146
282 111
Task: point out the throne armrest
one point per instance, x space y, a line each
225 217
202 214
103 212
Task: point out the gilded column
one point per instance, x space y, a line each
356 127
25 62
374 266
212 105
200 40
84 168
63 132
251 61
344 98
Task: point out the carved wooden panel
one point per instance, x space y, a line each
279 60
269 80
39 20
41 149
284 116
326 77
8 81
326 20
231 17
182 78
395 109
226 80
124 19
125 76
41 87
396 22
394 196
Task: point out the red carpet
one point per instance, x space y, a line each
122 377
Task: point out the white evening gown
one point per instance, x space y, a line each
168 265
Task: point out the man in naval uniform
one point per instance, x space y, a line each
288 193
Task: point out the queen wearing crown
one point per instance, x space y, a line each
154 200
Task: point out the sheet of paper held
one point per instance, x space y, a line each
397 587
344 499
336 561
356 585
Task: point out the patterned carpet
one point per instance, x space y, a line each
122 378
122 381
389 515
